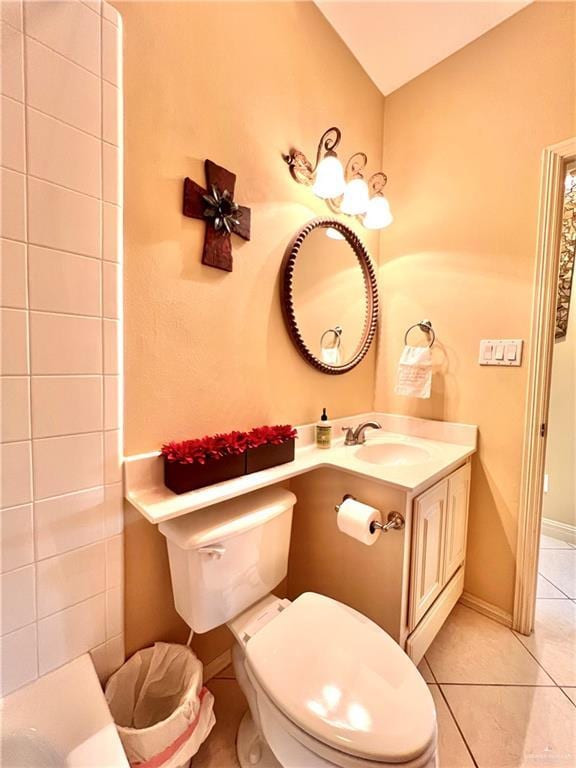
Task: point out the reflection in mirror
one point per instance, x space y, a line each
329 295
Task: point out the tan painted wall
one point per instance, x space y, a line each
238 83
462 146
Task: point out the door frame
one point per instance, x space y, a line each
554 159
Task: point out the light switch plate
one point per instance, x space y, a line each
506 352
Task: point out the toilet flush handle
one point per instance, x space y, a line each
214 551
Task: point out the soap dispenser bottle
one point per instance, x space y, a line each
324 431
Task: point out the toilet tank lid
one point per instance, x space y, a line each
230 518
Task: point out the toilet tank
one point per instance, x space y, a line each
226 557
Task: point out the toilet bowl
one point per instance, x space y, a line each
328 687
325 685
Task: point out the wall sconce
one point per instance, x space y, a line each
345 192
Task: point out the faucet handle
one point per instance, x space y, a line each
350 440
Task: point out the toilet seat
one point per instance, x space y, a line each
343 687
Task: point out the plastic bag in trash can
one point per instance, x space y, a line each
161 710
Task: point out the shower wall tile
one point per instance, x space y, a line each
68 579
65 344
16 474
13 276
61 511
19 657
12 62
16 537
11 12
51 22
64 282
62 219
62 89
14 334
13 204
15 409
62 154
73 520
12 137
66 405
67 464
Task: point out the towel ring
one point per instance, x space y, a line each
426 327
337 331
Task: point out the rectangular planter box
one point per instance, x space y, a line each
182 478
266 456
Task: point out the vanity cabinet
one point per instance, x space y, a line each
439 525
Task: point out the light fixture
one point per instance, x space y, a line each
333 234
327 175
378 214
356 195
344 192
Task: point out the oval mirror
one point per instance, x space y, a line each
330 296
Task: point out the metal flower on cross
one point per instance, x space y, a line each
220 207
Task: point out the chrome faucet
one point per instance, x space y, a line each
357 436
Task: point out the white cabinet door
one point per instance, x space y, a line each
456 521
427 567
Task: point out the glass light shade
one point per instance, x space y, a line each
356 197
378 214
330 181
334 234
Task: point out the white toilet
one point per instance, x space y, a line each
325 685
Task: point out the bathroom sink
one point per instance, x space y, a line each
392 454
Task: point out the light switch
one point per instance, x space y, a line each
501 352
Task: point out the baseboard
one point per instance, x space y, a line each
216 666
563 531
486 609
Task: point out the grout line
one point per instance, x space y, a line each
565 694
536 660
555 587
63 186
60 55
457 724
65 314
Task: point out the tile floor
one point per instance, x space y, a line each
503 700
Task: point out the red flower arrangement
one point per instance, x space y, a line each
277 435
204 449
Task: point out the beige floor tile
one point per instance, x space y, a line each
471 648
425 671
571 693
515 727
547 590
219 749
553 641
559 567
549 542
452 751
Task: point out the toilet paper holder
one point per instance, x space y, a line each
395 520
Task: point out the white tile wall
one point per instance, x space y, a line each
61 522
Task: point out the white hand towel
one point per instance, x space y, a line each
415 372
330 355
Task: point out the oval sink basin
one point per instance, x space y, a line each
390 454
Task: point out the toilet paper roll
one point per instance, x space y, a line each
354 519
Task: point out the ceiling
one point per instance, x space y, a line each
397 41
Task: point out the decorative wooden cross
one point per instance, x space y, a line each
222 215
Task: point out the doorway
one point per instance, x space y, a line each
548 317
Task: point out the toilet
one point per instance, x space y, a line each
325 685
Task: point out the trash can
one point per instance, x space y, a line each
162 711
